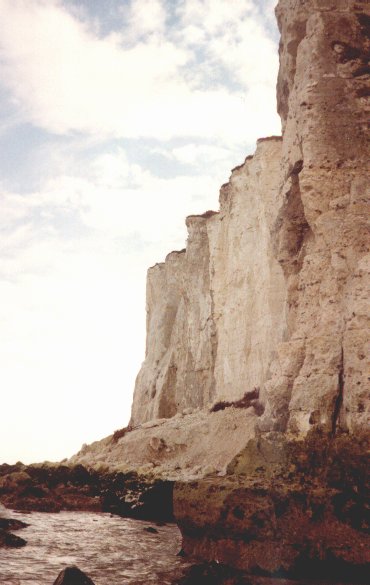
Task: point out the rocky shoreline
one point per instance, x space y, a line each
286 509
52 488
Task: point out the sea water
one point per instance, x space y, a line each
110 549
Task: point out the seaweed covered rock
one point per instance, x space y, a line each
11 540
7 539
46 488
287 508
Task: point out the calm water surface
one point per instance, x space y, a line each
111 550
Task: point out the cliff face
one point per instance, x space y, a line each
271 296
321 376
272 292
215 312
294 500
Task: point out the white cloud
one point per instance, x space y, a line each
143 17
130 202
72 306
200 154
214 16
64 78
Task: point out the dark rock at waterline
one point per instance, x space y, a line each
73 576
213 574
151 530
7 539
12 524
45 488
132 496
286 509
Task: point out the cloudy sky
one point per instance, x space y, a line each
117 119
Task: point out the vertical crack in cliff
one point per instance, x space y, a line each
291 227
339 398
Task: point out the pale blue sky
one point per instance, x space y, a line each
117 119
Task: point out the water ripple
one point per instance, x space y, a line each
111 550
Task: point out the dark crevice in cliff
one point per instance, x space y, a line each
291 227
167 405
339 398
249 399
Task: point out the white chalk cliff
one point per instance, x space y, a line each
271 294
216 311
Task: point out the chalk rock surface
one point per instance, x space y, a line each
321 375
272 293
216 310
182 447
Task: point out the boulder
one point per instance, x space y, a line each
10 540
293 509
12 524
73 576
6 538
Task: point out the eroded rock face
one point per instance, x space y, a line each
273 291
321 375
179 448
216 311
286 509
179 360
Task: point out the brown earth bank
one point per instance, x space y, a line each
52 488
286 509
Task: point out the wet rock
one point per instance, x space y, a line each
10 540
73 576
213 574
151 530
12 524
46 488
297 511
132 496
6 538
